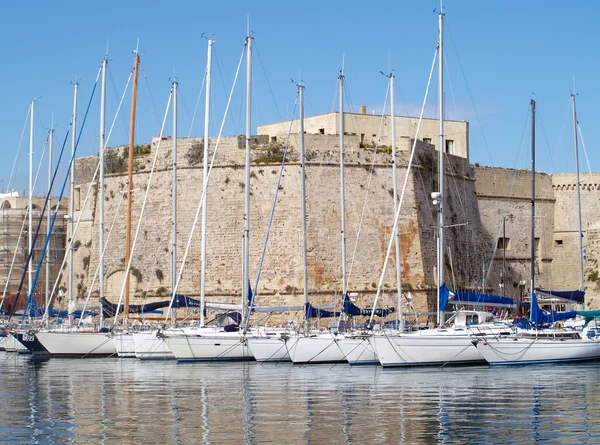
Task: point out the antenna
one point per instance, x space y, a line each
107 45
343 62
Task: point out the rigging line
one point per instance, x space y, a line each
450 85
90 187
114 87
205 187
587 160
269 83
31 250
560 136
150 98
16 161
147 192
97 269
268 230
541 123
236 127
487 147
197 105
365 202
404 185
181 96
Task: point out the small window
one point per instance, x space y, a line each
449 146
273 138
427 140
503 243
558 242
321 130
362 138
374 135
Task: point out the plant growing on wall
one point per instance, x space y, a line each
159 275
115 162
136 273
195 154
86 262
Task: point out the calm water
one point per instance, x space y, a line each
128 401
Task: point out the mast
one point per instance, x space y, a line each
48 218
174 235
205 175
303 173
136 63
30 205
72 200
342 192
395 180
532 282
246 246
441 149
101 181
580 232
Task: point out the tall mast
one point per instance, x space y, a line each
441 149
246 246
342 192
30 206
303 173
532 283
205 175
580 232
136 62
174 217
395 180
101 180
72 199
48 218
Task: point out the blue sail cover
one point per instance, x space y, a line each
350 308
475 298
312 312
538 316
444 296
572 295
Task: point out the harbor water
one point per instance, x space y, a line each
111 401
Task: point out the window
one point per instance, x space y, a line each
321 130
449 146
273 138
362 138
503 244
427 140
558 242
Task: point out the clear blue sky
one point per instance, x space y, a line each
498 54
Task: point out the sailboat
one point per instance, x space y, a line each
75 342
537 346
207 343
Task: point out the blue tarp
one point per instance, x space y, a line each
312 312
573 295
180 302
538 316
350 308
444 296
482 299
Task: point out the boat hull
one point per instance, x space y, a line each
358 351
12 344
425 350
77 344
524 351
269 349
317 349
189 348
124 345
31 342
149 346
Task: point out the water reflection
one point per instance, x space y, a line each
129 401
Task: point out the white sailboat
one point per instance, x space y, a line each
537 346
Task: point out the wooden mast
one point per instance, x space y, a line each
136 63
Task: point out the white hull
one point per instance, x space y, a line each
270 349
425 348
358 351
148 346
77 344
124 345
207 347
2 342
521 351
322 348
11 344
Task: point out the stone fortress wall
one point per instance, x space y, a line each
478 198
